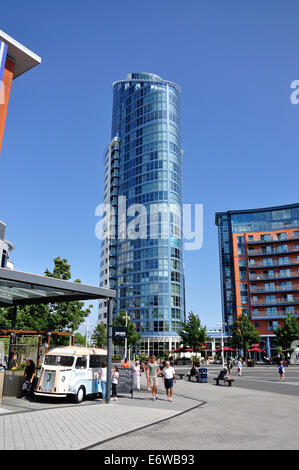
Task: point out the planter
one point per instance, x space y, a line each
12 384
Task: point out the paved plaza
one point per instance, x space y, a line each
257 412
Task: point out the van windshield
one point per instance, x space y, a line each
63 361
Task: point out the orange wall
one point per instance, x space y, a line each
256 236
7 81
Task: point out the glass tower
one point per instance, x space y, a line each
143 183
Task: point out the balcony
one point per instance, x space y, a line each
275 289
115 183
276 264
267 277
272 252
271 303
274 239
114 200
268 316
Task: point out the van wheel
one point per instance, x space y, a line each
79 397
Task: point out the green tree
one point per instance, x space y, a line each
100 335
133 337
192 333
80 339
58 316
288 332
243 334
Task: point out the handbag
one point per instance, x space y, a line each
26 385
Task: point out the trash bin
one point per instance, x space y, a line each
250 363
203 375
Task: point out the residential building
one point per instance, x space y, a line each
259 265
15 59
144 261
6 248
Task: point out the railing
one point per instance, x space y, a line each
273 239
274 289
274 263
272 252
269 303
279 313
263 277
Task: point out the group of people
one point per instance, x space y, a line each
153 370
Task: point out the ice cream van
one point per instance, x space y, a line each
70 371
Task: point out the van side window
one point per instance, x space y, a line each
95 361
81 362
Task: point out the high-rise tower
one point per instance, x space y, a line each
143 193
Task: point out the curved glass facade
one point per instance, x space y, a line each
149 270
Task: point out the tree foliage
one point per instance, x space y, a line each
244 334
100 336
133 336
287 333
192 333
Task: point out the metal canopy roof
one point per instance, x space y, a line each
23 58
19 288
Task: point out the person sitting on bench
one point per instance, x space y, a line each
227 377
223 373
193 371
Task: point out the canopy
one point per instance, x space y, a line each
181 350
255 349
225 348
19 288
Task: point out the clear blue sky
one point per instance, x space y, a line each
240 133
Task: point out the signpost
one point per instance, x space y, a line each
125 383
119 332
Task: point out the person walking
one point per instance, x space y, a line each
103 380
152 370
240 365
137 374
114 380
281 371
168 378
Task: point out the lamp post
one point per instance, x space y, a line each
87 331
126 316
222 323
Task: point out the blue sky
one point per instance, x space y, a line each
234 62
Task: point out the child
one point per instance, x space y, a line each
281 371
115 378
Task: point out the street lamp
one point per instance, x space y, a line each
222 323
126 316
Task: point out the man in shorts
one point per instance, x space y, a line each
152 370
168 378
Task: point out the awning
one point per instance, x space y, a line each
181 350
224 349
19 288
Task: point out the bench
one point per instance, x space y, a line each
181 376
222 378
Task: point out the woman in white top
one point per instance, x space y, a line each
115 379
240 365
168 378
103 377
137 374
